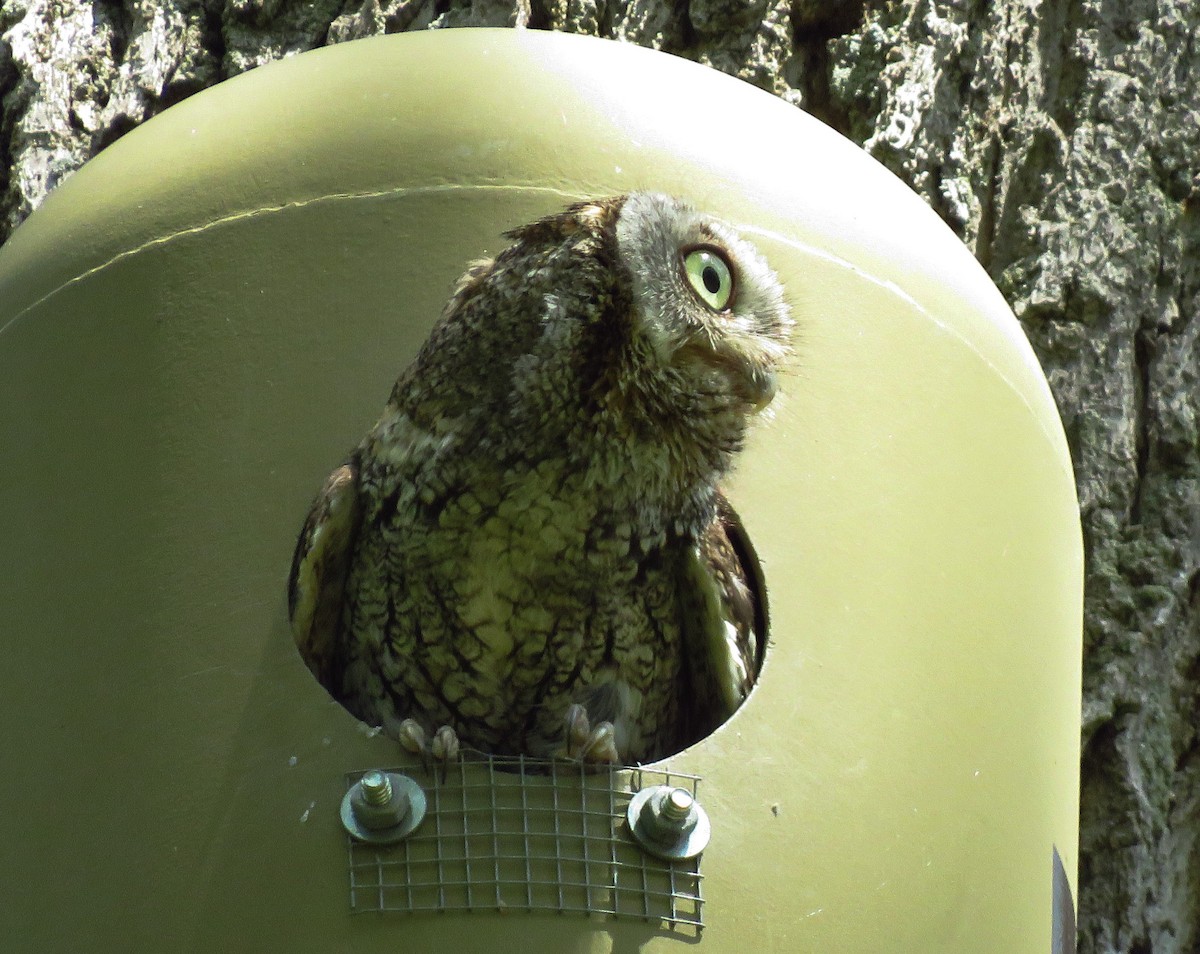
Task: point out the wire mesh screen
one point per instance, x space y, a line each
519 834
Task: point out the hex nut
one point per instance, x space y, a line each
379 814
668 822
368 818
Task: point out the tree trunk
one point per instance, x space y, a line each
1059 139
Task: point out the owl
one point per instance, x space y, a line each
530 552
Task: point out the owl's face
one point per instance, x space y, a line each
708 303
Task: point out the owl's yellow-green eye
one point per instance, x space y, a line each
710 276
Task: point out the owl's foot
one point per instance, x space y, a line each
594 745
442 749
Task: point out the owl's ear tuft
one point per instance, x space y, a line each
589 215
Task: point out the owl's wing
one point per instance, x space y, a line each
724 621
320 565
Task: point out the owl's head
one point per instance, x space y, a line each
639 337
705 300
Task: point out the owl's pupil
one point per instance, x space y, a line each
712 281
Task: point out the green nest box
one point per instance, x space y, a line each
199 323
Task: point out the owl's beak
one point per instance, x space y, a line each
758 388
751 379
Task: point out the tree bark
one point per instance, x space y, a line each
1060 139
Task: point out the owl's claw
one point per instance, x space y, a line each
601 747
445 746
412 737
579 729
590 744
443 749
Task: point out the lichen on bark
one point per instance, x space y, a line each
1060 139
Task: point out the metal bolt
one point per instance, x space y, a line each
383 807
676 805
668 822
378 805
668 815
376 788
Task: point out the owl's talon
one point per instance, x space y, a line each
445 745
442 749
593 745
579 729
601 746
412 737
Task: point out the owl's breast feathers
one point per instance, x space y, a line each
495 602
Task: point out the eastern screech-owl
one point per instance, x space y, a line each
530 549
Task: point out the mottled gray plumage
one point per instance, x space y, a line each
535 522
